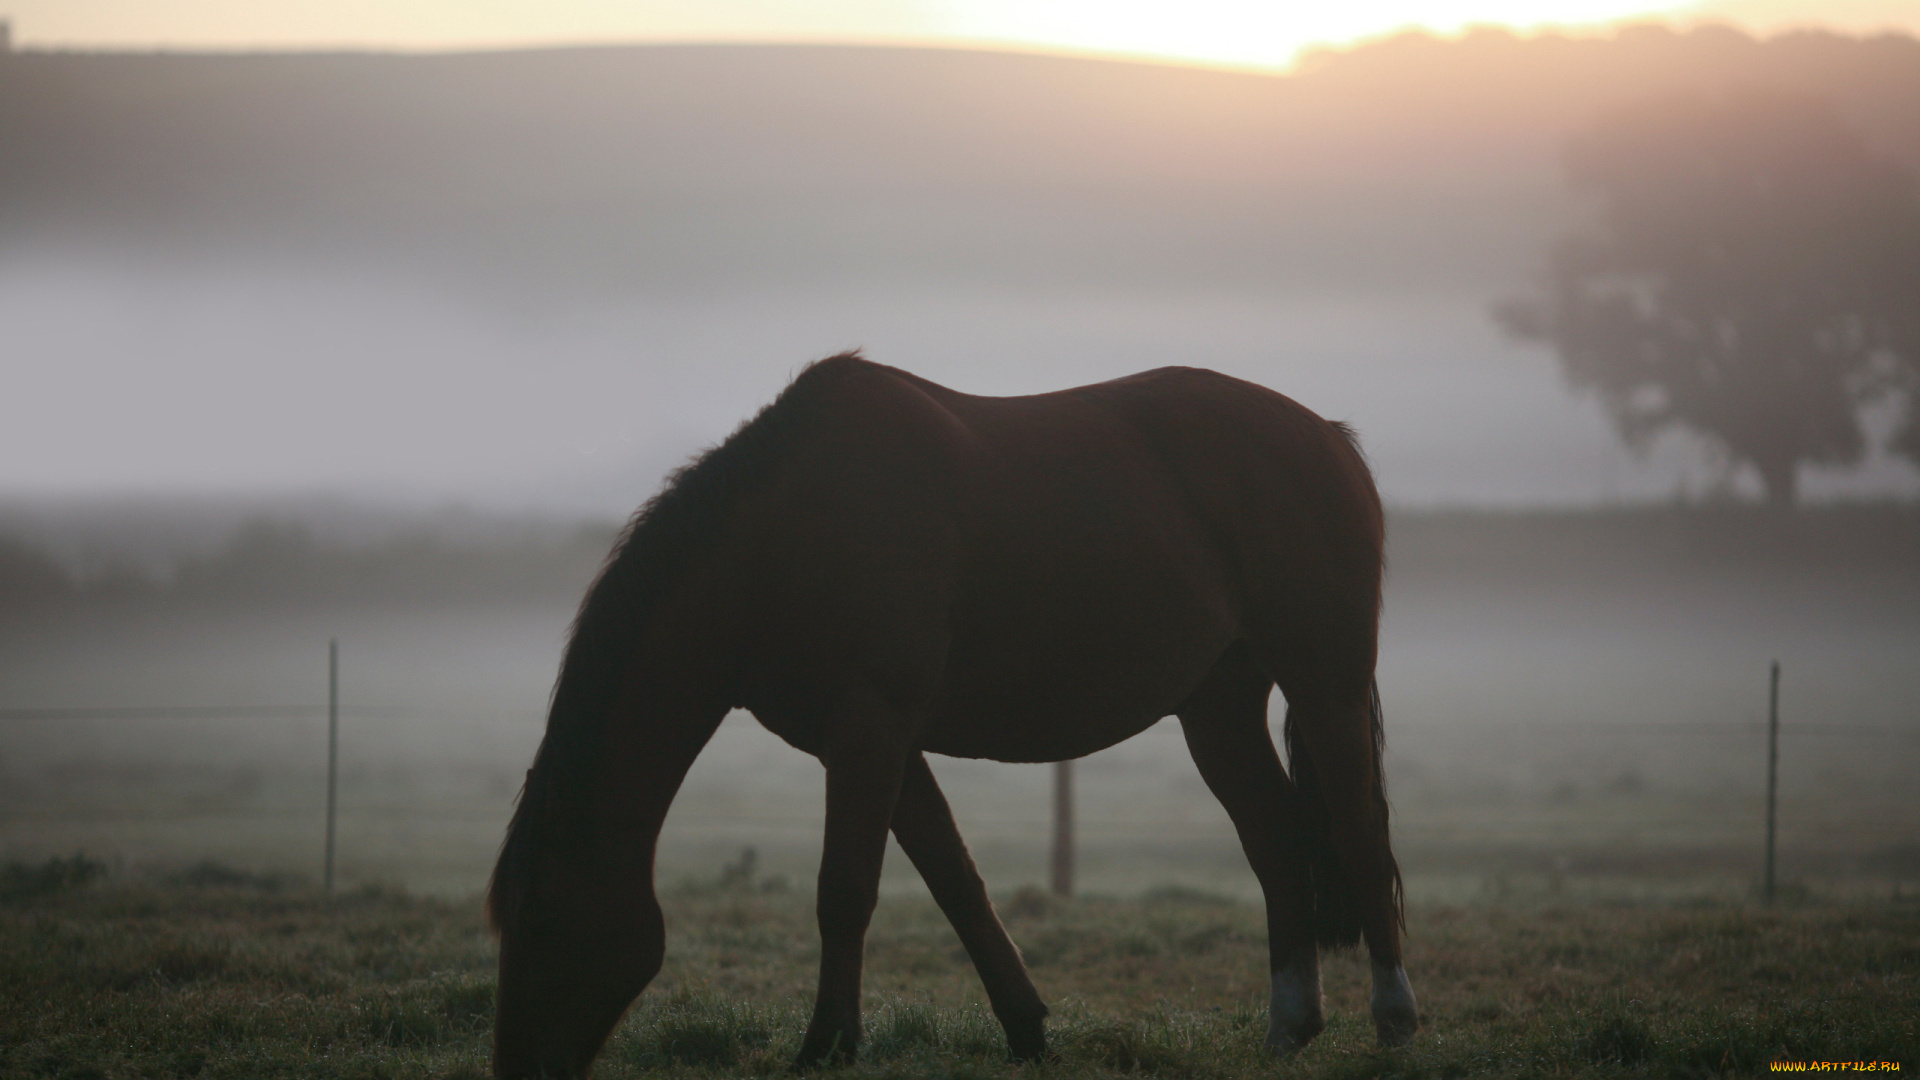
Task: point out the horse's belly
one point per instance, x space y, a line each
1046 698
1056 736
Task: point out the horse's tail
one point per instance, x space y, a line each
1336 911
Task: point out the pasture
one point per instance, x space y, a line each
213 973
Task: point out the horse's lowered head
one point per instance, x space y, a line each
581 935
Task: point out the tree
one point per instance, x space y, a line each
1754 275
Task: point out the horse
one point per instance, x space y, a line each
879 568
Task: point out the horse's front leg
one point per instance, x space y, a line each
924 826
865 751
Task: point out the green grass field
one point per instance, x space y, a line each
212 973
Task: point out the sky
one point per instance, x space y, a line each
1226 32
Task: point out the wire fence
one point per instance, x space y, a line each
1101 818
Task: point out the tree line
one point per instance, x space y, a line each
267 561
1752 276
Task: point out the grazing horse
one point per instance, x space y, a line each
879 568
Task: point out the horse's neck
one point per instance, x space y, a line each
649 740
650 695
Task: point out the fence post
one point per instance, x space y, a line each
1773 771
333 749
1063 828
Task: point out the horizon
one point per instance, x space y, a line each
1223 36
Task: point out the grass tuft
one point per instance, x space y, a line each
902 1029
1617 1039
1123 1048
694 1028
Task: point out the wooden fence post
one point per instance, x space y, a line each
1063 828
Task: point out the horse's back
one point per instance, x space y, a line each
1266 487
1250 469
1045 575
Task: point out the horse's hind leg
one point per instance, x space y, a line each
924 826
864 749
1225 722
1332 737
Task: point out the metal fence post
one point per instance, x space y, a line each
333 749
1773 771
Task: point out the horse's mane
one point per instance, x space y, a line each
681 519
1351 436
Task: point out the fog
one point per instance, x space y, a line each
383 349
395 391
1574 696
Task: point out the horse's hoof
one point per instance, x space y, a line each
1396 1016
1395 1028
1396 1034
1297 1013
805 1064
1285 1044
828 1056
1284 1040
1027 1049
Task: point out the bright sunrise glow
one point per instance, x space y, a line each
1225 32
1264 35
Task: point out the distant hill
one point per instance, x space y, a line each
1408 164
283 559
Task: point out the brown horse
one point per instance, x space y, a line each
879 568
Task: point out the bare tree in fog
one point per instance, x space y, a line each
1754 276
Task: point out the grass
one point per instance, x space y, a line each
222 974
